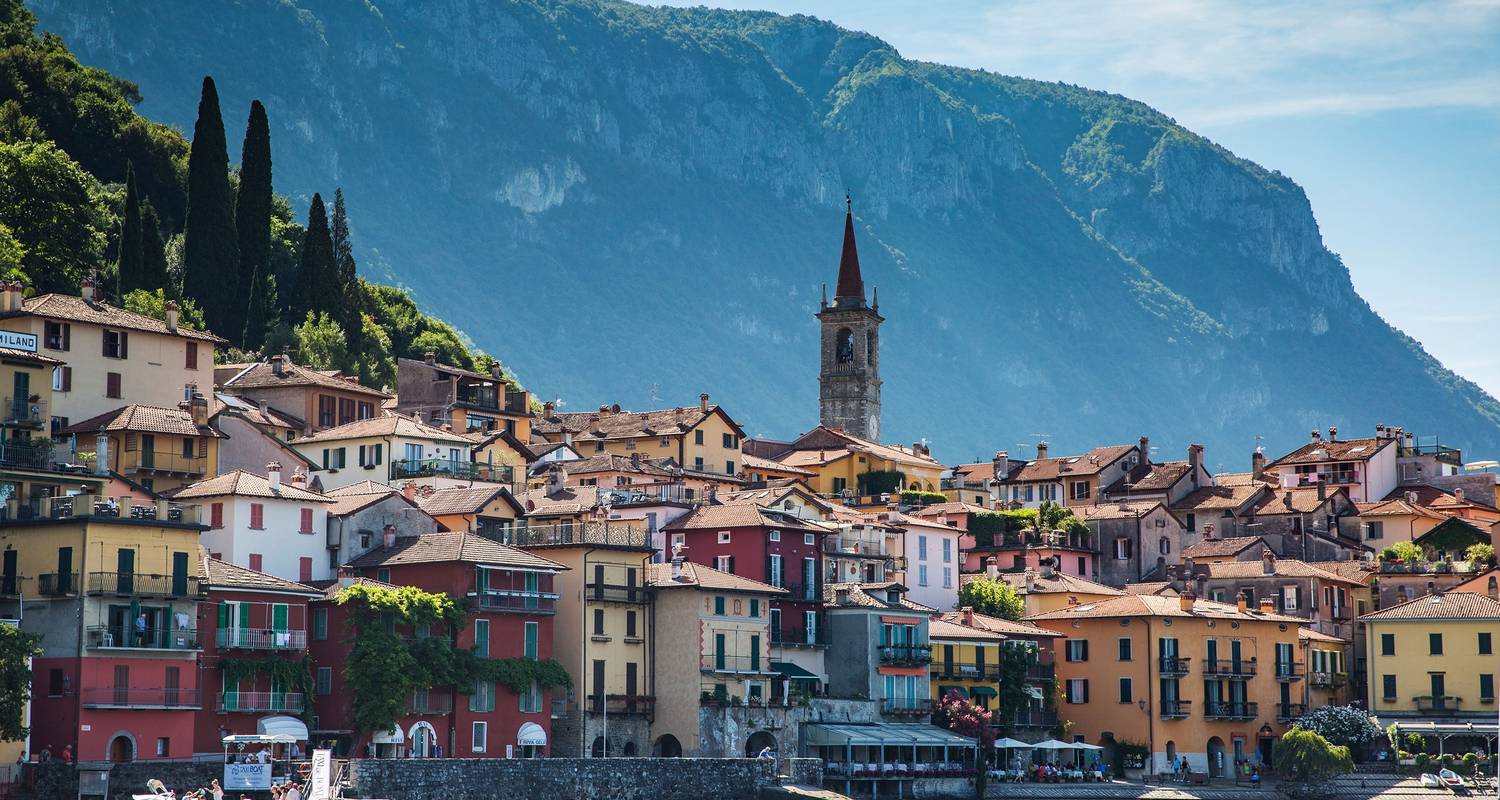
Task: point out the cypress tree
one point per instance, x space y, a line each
129 265
348 311
154 253
252 219
210 251
318 281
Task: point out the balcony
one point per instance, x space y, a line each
450 468
966 672
161 463
58 584
1223 668
617 704
594 533
141 584
734 665
1445 702
259 702
866 548
26 454
1174 666
431 703
802 591
137 699
1036 719
1288 671
616 593
260 639
906 706
520 602
1329 680
95 506
906 655
121 637
1235 711
1176 709
1040 672
799 637
19 412
1286 712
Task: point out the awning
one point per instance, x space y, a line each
792 672
981 691
257 738
531 734
392 736
944 690
1008 743
882 733
282 725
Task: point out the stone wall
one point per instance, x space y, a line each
585 779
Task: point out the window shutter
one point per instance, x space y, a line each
67 379
216 515
1085 658
192 355
124 345
307 520
112 385
731 566
67 336
104 343
1085 682
257 515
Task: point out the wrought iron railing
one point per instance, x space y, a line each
1174 665
1228 668
522 602
140 584
797 636
1240 711
1176 709
257 702
121 697
126 636
260 639
962 671
596 533
1288 670
453 468
906 654
1286 712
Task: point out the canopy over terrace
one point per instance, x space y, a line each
883 751
1443 731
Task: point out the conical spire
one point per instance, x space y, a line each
851 283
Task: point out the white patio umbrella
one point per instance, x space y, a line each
1007 743
1053 744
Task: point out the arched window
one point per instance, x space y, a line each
597 751
1165 546
629 749
844 346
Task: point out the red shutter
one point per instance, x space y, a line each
255 561
67 379
192 355
257 515
307 520
112 384
304 569
216 516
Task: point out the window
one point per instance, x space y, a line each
1289 598
327 409
1077 650
346 411
630 625
774 536
1374 530
533 630
922 575
1164 546
192 355
112 385
383 574
1127 691
698 437
738 610
719 606
1388 688
320 624
1078 691
598 622
809 539
324 684
257 516
482 699
255 562
116 344
57 336
62 379
921 548
724 564
1122 548
679 540
725 537
1485 646
307 521
1125 649
56 680
163 746
1079 490
482 638
1192 522
367 410
1487 688
729 469
531 700
305 568
947 550
776 571
754 608
216 515
728 440
840 484
1435 644
947 577
481 735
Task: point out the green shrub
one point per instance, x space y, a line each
916 497
1304 755
880 482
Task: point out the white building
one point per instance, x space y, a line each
932 561
264 524
395 449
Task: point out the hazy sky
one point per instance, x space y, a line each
1387 114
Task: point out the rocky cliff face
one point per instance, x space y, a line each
620 201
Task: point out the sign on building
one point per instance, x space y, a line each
18 341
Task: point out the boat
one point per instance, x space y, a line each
1430 781
1450 779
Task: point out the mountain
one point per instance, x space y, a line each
628 203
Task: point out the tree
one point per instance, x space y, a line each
12 255
51 207
1304 755
993 597
131 261
210 250
1343 725
17 648
349 310
373 361
1480 552
317 282
1404 551
965 718
153 303
252 220
321 343
154 254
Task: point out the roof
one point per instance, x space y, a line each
1150 605
344 505
1456 522
1151 477
1397 507
1214 548
1448 605
389 425
1338 450
942 629
613 462
1151 587
262 374
1311 635
72 308
224 575
984 470
910 522
1090 463
247 484
1356 571
465 500
860 595
1291 501
756 462
1285 568
429 548
449 369
612 424
363 487
1104 511
1030 582
948 508
144 419
28 357
331 588
698 576
1001 625
823 445
222 403
1237 479
740 514
567 501
1219 498
851 283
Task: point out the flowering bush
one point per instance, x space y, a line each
1341 725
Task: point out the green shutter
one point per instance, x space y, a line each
754 653
231 695
531 643
223 616
244 616
719 651
279 612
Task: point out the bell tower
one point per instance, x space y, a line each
849 379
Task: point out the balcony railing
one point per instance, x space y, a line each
161 462
800 637
796 590
1036 719
1041 672
872 548
747 665
1239 711
520 602
1324 680
34 454
1288 671
58 584
906 706
433 703
909 655
125 636
141 584
620 704
257 702
615 593
1174 665
1176 709
111 697
450 468
1286 712
21 413
969 672
1445 702
1223 668
88 505
260 639
596 533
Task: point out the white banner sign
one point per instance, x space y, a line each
322 769
18 341
247 776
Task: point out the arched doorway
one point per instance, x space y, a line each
629 749
122 749
1171 756
1216 757
757 742
1109 754
423 740
597 750
667 746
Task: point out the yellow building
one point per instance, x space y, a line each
1036 717
1386 522
718 651
1049 590
839 460
1326 667
1434 657
1208 681
485 509
966 660
603 635
29 462
158 448
701 438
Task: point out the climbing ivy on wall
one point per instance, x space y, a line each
294 674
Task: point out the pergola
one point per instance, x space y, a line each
1489 731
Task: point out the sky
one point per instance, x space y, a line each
1387 114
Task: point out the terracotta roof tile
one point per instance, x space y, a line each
1356 571
1341 450
72 308
389 425
247 484
1103 511
948 508
1285 568
1396 508
1290 501
1163 588
262 374
1150 605
756 462
1090 463
1057 583
28 357
613 462
739 515
596 425
331 588
428 548
224 575
1219 498
363 487
860 595
659 576
1151 477
144 419
1317 636
1213 548
344 505
822 445
568 501
1002 626
464 500
942 629
1449 605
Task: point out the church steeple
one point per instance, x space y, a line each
851 285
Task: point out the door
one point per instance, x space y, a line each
1438 690
413 454
231 695
1283 659
1211 665
148 451
719 652
172 687
242 622
64 570
122 684
179 574
125 571
598 686
810 588
754 653
630 687
8 574
21 396
1234 655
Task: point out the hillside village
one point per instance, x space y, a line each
210 548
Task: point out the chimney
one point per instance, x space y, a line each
264 406
1317 436
1186 600
273 474
1333 433
604 409
547 409
1411 497
635 460
430 357
388 536
7 297
1145 447
1195 461
991 568
968 612
198 407
1257 464
278 365
1072 599
1267 562
299 478
409 490
1046 566
1458 493
1322 490
841 595
1041 450
86 290
1241 602
1286 499
676 567
172 316
101 454
1267 605
1208 531
703 402
1380 430
1002 465
1201 580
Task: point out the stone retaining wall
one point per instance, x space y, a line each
583 778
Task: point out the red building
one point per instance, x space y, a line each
251 618
512 600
